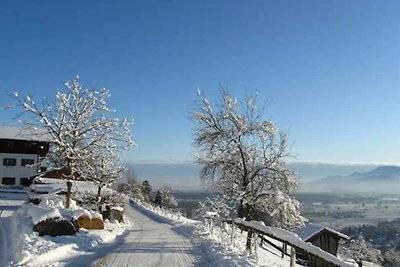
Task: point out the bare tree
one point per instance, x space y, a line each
80 127
243 158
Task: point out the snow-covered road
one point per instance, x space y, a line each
152 242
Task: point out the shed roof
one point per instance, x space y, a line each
28 134
311 229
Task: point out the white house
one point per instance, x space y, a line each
20 152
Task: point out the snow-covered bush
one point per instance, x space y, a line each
165 198
216 205
90 201
86 199
114 199
132 188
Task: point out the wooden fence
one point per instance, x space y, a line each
316 256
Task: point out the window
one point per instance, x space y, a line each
8 181
25 181
9 162
25 162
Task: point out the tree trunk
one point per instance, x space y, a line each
359 263
68 195
248 213
69 185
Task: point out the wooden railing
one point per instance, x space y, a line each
316 256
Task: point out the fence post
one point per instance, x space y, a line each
233 235
256 246
284 249
292 257
249 238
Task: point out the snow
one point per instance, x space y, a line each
311 229
62 250
158 237
53 185
16 133
117 208
211 214
38 214
48 188
20 246
154 241
95 215
214 249
9 202
81 212
52 201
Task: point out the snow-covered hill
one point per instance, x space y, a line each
384 179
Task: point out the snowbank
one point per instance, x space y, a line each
57 251
29 249
38 214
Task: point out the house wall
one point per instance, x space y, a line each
18 171
18 150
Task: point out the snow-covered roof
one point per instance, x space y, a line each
29 134
311 229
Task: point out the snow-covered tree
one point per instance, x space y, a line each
79 124
244 158
216 204
392 257
146 191
359 250
105 169
165 197
131 187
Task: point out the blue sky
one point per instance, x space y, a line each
330 68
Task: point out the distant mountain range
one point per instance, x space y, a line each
384 179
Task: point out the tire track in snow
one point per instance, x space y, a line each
151 243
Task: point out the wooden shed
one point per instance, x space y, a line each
323 237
